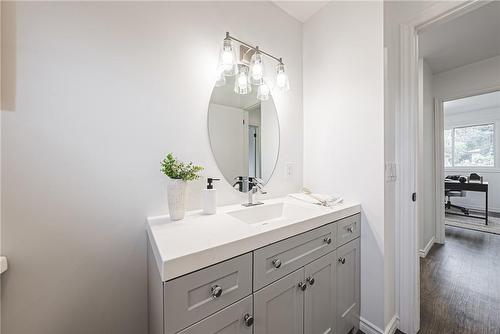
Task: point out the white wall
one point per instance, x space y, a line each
344 126
469 79
8 58
460 82
104 90
427 229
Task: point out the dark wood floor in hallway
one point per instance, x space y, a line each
460 284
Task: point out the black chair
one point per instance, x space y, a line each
454 193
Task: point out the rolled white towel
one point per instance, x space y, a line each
321 199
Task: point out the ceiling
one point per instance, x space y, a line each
467 39
473 103
301 10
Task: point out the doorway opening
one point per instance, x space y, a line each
458 172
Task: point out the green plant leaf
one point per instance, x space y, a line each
175 169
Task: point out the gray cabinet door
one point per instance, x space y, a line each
230 320
347 267
319 315
279 307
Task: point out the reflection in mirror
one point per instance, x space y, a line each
244 135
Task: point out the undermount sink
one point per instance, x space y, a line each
272 213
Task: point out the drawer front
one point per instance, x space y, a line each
279 259
195 296
230 320
348 229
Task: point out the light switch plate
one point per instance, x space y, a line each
390 172
289 169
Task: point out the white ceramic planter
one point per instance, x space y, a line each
176 193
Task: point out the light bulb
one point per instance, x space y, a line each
227 58
256 68
263 92
257 72
281 80
242 83
282 83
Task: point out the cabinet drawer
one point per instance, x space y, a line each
195 296
348 229
279 259
230 320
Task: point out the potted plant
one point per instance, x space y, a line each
178 173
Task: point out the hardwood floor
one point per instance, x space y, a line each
460 284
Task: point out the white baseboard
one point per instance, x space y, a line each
427 248
392 325
368 328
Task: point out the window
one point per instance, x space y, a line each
470 146
448 157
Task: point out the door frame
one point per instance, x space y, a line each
439 148
407 255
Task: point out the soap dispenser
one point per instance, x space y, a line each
210 197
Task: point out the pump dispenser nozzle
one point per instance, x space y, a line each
209 182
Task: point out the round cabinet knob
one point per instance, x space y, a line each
302 286
350 229
216 291
328 240
276 263
248 320
310 280
342 260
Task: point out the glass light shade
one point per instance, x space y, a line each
242 81
220 78
256 69
227 59
263 92
282 83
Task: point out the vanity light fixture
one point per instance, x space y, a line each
256 68
263 92
227 58
251 72
242 83
282 83
220 79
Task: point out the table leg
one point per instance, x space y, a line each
486 213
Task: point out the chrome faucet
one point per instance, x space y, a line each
255 185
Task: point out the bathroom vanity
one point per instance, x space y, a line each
285 267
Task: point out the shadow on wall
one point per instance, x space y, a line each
7 56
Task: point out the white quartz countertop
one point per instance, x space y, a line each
199 240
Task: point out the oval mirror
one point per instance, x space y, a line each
244 135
